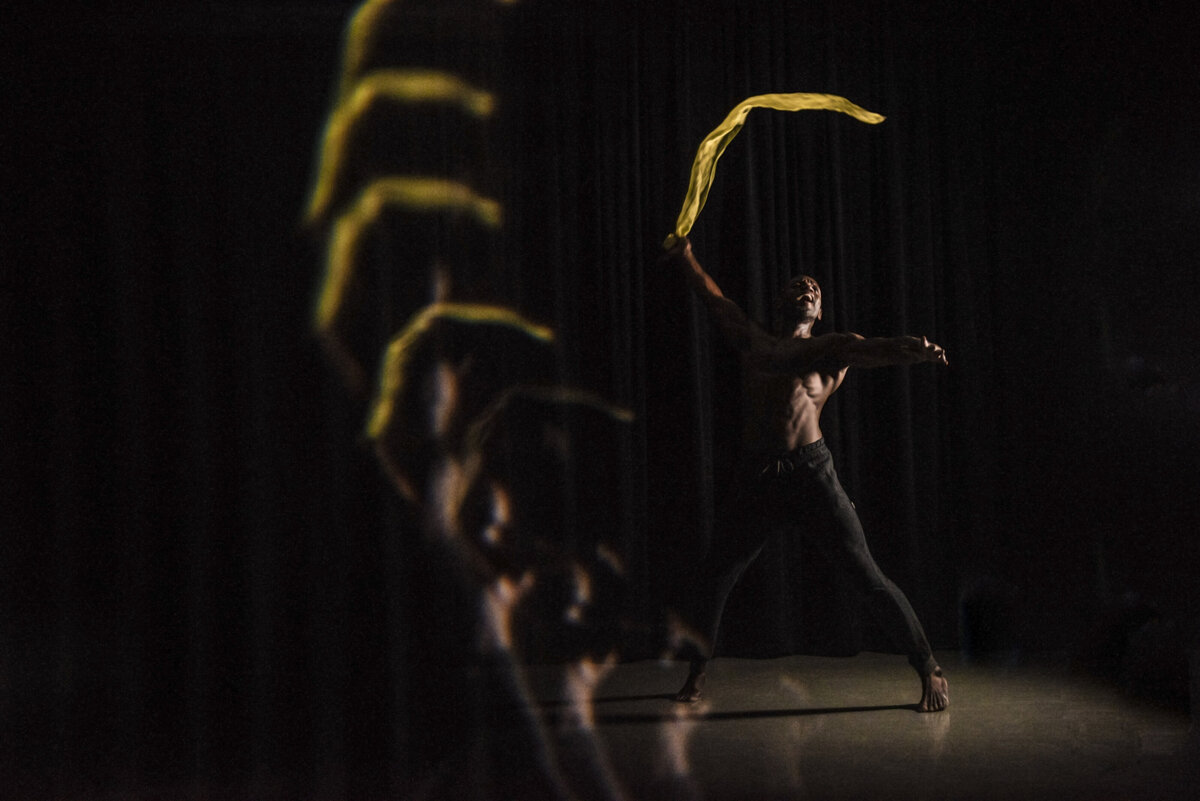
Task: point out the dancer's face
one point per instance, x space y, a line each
800 300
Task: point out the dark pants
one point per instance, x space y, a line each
788 493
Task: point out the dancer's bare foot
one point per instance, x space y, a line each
689 693
935 692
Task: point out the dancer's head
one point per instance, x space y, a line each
799 301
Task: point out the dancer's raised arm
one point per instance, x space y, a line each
739 329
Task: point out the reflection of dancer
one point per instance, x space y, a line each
510 475
785 478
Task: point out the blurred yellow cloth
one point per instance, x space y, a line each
705 165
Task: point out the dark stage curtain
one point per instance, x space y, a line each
207 578
882 216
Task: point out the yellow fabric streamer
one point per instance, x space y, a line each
705 165
409 193
406 87
396 359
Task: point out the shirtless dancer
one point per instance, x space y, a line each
785 477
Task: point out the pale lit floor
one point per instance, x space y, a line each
845 728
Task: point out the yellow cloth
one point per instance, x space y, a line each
399 350
705 165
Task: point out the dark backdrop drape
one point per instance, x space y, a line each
205 575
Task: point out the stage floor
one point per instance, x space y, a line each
845 728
